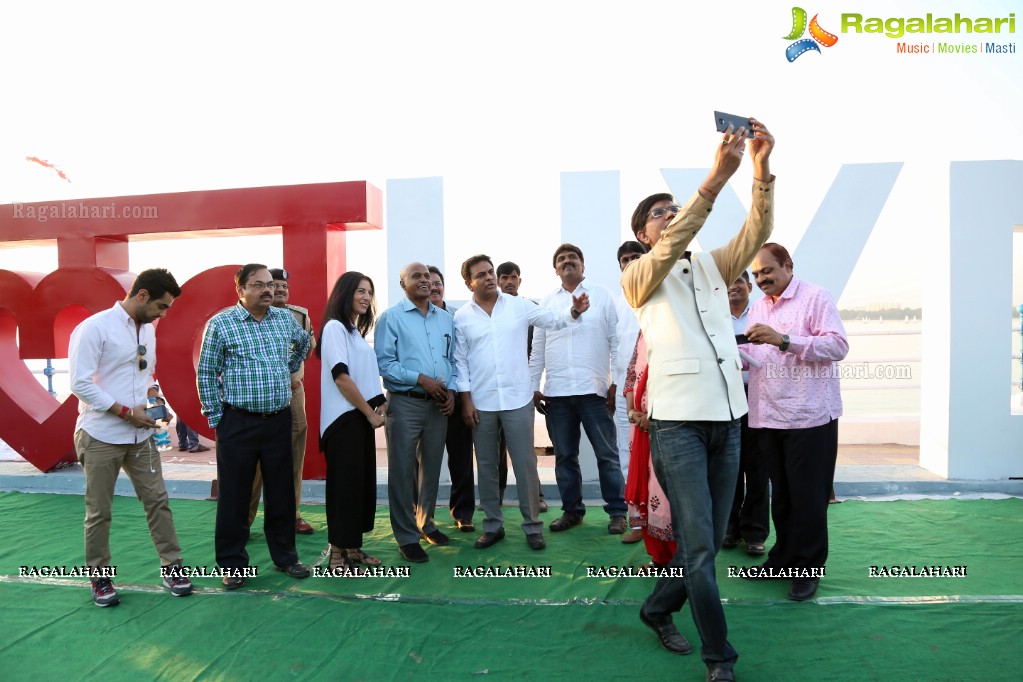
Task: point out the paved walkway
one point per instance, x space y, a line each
862 471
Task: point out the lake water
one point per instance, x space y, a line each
889 351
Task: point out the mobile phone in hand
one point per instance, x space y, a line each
723 120
157 412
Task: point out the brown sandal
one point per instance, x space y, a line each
340 562
357 556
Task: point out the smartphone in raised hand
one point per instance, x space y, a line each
723 120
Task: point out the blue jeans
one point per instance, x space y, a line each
187 438
564 416
696 464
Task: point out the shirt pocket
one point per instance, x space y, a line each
681 366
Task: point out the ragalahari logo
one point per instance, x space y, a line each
817 35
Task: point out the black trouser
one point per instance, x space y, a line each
802 466
751 505
459 446
350 449
242 441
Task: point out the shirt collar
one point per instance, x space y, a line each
407 306
500 296
125 318
744 312
241 313
582 285
790 291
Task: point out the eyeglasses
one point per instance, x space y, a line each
662 211
141 350
259 286
280 285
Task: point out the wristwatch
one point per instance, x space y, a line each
784 343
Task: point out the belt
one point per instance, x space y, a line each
261 415
412 394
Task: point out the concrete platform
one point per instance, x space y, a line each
862 471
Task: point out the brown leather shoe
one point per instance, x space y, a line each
618 525
633 536
303 528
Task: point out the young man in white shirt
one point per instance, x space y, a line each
112 356
493 382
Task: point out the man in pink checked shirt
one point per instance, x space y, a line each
794 404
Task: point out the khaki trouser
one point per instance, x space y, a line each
299 434
141 461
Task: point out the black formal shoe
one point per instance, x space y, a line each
465 526
487 539
413 552
536 541
565 521
730 542
671 638
803 589
296 570
720 674
761 572
233 582
755 548
435 537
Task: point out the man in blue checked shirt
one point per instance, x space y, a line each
248 355
415 345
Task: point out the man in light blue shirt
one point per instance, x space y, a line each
415 343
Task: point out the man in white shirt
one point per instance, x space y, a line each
112 356
694 392
578 392
493 381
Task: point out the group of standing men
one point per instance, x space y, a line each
250 381
475 369
482 352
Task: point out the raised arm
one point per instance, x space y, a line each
735 256
643 276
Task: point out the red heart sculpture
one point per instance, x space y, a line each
41 312
179 338
45 310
